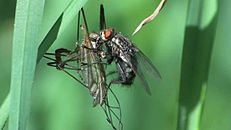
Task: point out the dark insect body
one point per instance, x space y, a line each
130 61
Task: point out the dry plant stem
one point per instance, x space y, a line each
151 17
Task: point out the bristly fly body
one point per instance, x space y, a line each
130 60
90 69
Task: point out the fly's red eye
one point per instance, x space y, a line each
108 33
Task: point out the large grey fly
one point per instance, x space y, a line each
129 59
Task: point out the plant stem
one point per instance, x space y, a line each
4 111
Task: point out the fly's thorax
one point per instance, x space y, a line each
121 47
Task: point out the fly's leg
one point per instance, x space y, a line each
107 112
58 56
110 113
59 63
117 81
62 65
89 48
122 79
67 66
84 63
102 54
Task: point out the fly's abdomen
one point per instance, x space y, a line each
126 73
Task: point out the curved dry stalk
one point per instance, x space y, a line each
151 17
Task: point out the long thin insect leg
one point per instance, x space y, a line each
92 49
53 54
104 107
108 111
75 78
54 64
58 57
116 81
92 63
73 58
109 118
69 67
59 52
117 100
70 55
111 112
51 64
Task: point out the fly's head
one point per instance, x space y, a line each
107 34
98 39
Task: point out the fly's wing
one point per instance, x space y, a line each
141 65
146 70
93 72
148 65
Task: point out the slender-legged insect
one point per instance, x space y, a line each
130 60
90 69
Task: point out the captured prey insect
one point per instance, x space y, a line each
130 60
90 69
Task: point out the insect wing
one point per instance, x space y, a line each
93 71
146 70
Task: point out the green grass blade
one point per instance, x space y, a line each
49 38
25 46
71 12
25 41
198 44
68 14
19 47
4 112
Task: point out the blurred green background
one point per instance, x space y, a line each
59 102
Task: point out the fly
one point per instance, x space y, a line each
130 60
